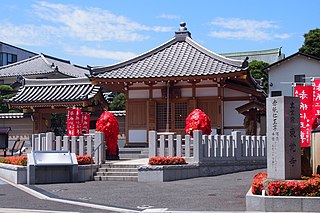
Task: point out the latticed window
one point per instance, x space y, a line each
181 112
162 115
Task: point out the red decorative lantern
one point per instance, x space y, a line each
198 120
108 124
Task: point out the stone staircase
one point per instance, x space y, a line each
119 170
133 153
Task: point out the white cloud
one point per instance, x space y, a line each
235 28
169 16
25 34
93 24
98 53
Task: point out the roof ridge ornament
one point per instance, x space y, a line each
183 32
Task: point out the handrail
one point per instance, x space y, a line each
92 154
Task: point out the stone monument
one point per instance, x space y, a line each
283 138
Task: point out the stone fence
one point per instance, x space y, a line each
89 144
209 148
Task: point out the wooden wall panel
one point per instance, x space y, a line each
211 106
137 114
152 115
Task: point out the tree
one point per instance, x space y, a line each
257 73
6 92
311 44
119 102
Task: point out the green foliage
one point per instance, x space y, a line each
257 73
58 123
118 103
6 92
311 44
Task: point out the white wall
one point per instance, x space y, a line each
282 76
206 91
134 94
230 115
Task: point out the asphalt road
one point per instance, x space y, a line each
218 193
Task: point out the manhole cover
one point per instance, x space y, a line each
144 207
58 190
85 198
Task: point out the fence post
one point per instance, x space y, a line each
197 146
206 146
179 146
74 144
33 141
187 146
216 146
170 146
264 145
236 140
100 154
152 144
81 145
58 142
65 143
162 145
223 145
89 145
49 141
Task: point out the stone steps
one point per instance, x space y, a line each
117 171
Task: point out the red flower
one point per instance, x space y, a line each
198 120
167 160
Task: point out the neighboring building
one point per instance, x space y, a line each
298 68
41 66
10 54
43 97
165 84
269 56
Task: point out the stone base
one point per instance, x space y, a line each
167 173
13 173
18 174
281 203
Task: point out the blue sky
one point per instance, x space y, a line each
103 32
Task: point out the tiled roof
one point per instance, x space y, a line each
48 91
179 57
119 113
42 64
11 115
268 56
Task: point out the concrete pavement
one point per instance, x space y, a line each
218 193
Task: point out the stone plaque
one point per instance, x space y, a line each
283 138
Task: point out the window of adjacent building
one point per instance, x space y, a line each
299 78
276 93
162 115
7 58
180 114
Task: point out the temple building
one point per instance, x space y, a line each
165 84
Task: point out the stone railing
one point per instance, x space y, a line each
206 149
89 144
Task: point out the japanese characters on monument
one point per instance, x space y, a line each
305 93
283 145
274 134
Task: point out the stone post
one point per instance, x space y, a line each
283 138
152 144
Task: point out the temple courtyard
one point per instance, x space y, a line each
216 193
